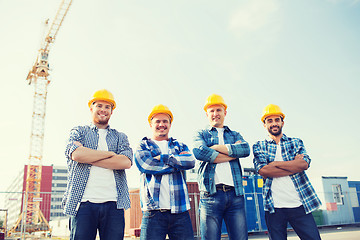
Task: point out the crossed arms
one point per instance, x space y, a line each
220 153
162 163
104 159
284 168
223 153
273 169
75 151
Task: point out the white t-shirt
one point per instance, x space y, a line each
283 189
164 198
223 173
101 186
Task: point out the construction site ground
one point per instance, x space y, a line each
347 232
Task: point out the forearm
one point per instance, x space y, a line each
273 171
116 162
223 158
88 155
293 166
221 149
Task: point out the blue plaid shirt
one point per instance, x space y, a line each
208 137
152 170
264 153
78 173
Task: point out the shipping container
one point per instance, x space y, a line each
354 187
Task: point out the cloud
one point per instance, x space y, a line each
253 15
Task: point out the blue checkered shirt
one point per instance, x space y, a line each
152 171
78 173
264 153
208 137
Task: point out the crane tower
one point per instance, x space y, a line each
31 216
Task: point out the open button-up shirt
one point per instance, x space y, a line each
264 153
208 137
152 170
78 173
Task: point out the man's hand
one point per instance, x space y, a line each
184 153
299 157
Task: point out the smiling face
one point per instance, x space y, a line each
274 125
160 125
216 115
101 112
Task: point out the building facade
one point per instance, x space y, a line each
53 185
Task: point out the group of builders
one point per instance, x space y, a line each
97 192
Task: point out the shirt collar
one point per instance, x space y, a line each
171 139
211 128
283 138
94 127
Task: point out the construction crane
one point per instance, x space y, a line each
32 218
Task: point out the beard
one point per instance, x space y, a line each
275 133
102 122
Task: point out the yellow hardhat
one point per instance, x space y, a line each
272 109
214 99
103 95
160 109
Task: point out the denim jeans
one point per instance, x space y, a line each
223 205
156 224
91 217
303 224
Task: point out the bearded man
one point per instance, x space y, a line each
288 194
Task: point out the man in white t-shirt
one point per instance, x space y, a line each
288 194
162 161
219 149
97 192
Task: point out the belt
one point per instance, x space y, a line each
160 210
224 188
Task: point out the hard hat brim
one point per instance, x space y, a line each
212 104
272 114
113 104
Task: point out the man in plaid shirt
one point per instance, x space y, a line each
162 161
288 194
97 192
219 150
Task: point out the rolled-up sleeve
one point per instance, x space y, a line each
239 150
201 151
70 146
260 159
124 147
302 150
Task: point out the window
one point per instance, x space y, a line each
354 197
337 194
59 185
59 178
60 170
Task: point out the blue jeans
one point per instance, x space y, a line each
303 224
91 217
156 224
223 205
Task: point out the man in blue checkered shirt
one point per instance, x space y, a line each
288 194
219 150
162 161
97 192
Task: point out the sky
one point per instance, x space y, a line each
301 55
